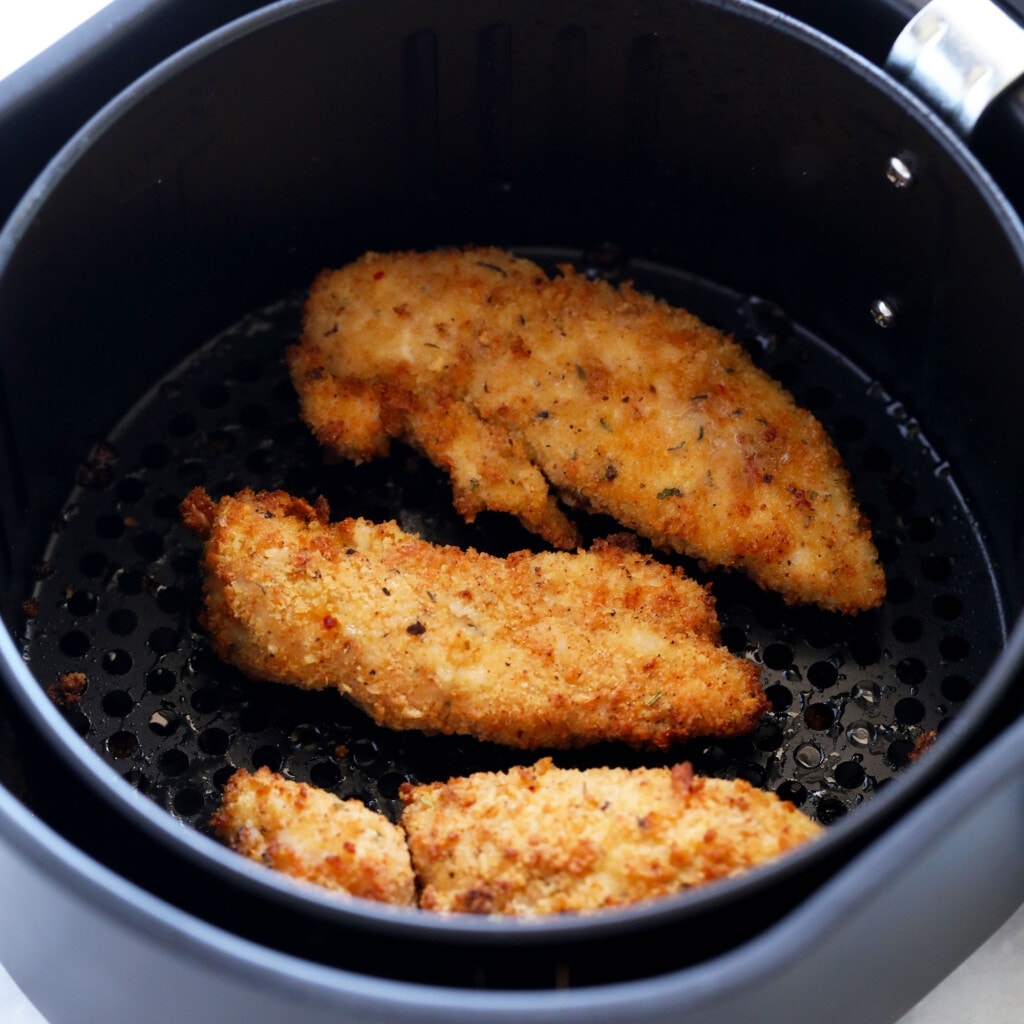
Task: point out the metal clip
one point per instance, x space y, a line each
959 55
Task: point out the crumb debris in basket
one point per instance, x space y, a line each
553 649
68 689
527 389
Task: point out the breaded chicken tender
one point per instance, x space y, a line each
525 389
555 649
544 840
312 835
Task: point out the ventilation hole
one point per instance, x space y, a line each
947 606
937 568
794 792
861 734
130 582
850 775
365 753
819 717
74 643
898 753
214 742
768 737
325 774
780 696
163 724
830 809
907 629
268 757
155 456
82 602
221 776
911 671
808 755
954 648
305 737
117 703
734 639
752 773
117 662
122 744
109 527
778 656
130 489
909 711
955 688
389 784
188 802
867 694
182 424
77 720
173 763
122 621
161 681
148 545
137 780
93 564
206 700
163 640
822 674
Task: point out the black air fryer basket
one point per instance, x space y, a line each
766 174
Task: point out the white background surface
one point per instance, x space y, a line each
987 989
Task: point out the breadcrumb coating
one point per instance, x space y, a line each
526 389
555 649
543 840
312 835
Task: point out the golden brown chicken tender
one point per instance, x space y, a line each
523 387
552 649
544 840
312 835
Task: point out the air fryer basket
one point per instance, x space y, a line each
153 279
854 698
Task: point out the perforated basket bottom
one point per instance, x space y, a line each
112 627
